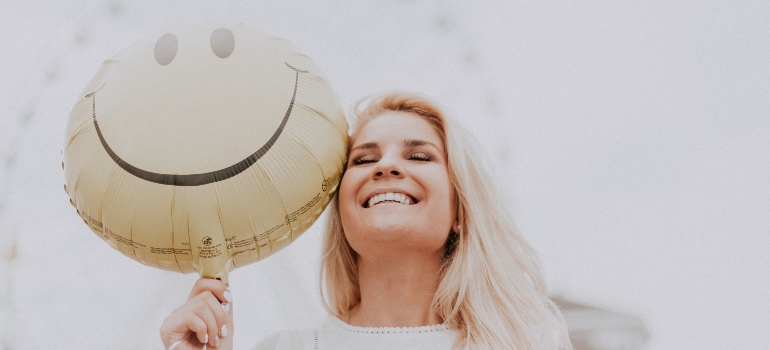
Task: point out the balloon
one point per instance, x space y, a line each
204 148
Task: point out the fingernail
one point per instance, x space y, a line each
216 341
226 307
224 330
228 297
205 338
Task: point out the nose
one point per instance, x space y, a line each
388 167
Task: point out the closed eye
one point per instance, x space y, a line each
421 156
363 159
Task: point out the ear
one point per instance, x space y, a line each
456 227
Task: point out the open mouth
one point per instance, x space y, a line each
390 197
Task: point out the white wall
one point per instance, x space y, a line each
632 138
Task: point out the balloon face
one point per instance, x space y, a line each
201 178
203 149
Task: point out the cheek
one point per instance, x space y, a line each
347 193
347 198
445 194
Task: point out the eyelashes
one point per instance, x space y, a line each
421 156
363 160
368 158
222 44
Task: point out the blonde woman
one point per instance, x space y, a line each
418 253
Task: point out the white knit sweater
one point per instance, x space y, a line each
338 335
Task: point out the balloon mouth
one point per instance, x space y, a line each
201 178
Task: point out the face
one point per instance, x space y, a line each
396 194
203 113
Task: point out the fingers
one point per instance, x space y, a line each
199 327
216 320
191 325
205 317
216 287
227 339
208 309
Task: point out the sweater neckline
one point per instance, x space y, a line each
389 330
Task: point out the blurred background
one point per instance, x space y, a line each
632 140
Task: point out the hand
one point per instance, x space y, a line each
206 318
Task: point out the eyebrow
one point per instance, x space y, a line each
417 143
368 145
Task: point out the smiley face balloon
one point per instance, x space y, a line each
204 148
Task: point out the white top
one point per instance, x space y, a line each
338 335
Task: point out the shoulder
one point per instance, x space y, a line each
289 340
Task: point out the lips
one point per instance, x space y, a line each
389 196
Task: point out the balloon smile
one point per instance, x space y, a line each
202 178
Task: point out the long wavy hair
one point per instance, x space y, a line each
491 287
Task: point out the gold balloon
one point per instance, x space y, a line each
204 148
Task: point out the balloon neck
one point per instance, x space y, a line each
222 274
222 277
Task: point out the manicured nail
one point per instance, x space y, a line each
224 330
216 341
206 338
226 307
228 297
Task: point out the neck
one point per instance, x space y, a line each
396 291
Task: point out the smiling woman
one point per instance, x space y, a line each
397 155
451 260
419 253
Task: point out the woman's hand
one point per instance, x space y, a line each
206 318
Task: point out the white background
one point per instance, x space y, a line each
631 138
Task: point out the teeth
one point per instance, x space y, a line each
389 196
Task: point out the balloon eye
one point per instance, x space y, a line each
222 42
166 48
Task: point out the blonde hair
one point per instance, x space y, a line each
491 288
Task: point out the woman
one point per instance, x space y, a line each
418 253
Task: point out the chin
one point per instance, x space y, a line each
390 231
397 237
